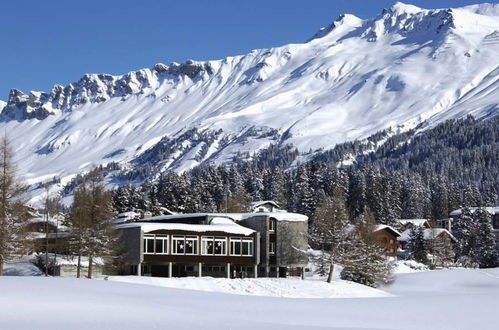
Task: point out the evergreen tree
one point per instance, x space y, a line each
417 245
486 240
464 229
304 198
442 251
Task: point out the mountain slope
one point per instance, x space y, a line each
353 78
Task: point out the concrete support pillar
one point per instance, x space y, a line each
200 270
255 271
170 269
267 271
228 270
139 269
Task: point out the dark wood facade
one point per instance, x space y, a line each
388 238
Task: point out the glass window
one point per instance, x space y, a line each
178 244
220 246
148 244
272 248
207 245
235 246
247 249
161 244
191 245
240 247
272 225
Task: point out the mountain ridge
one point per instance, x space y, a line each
402 68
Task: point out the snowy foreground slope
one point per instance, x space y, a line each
449 299
353 78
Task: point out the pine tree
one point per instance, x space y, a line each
12 210
486 241
417 245
442 251
464 229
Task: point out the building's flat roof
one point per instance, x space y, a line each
217 224
280 216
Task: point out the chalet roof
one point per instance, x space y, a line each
386 227
415 222
280 216
492 210
217 224
259 203
51 221
429 233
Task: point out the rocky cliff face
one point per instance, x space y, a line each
95 88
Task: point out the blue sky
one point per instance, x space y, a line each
49 42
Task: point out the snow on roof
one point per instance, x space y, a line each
429 233
52 221
381 227
258 203
492 210
416 222
130 214
280 216
218 224
37 235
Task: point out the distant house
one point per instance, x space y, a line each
388 236
216 244
430 235
409 223
445 223
43 233
265 206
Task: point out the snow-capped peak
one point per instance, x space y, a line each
402 8
356 77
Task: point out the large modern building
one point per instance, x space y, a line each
216 244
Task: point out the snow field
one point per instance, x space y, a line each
448 299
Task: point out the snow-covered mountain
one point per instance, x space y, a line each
351 79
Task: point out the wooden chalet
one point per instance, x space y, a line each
388 237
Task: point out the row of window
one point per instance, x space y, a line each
188 245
